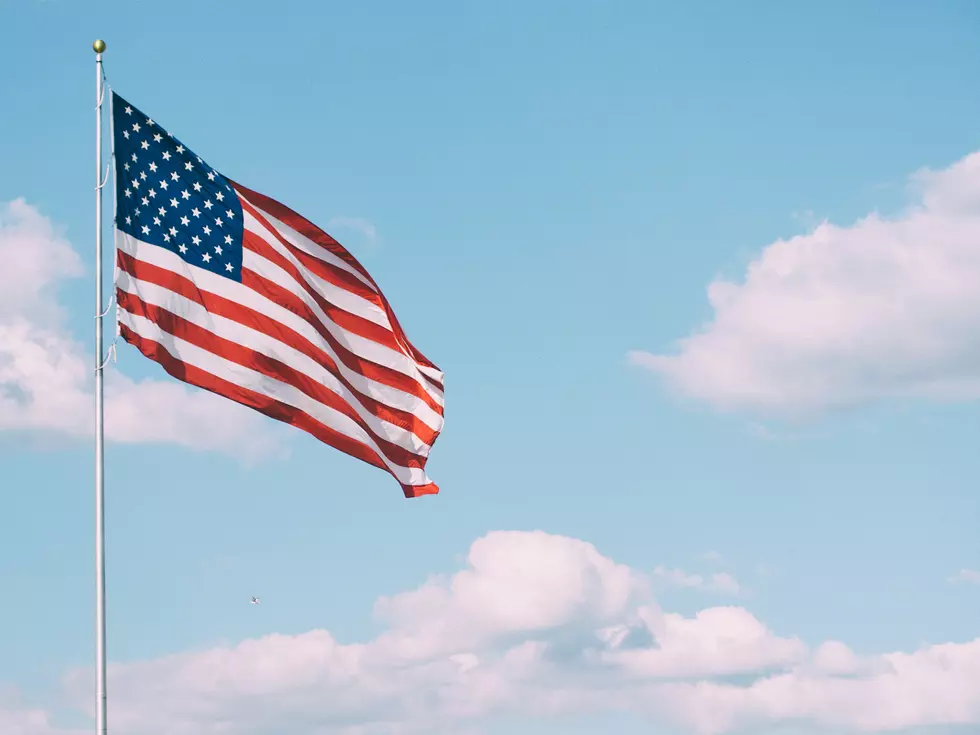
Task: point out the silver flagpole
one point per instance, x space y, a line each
100 647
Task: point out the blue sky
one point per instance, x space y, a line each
550 188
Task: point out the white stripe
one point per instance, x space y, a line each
248 298
306 244
250 380
334 294
270 347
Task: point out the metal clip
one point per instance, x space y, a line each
110 354
111 300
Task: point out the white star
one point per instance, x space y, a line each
227 239
136 183
162 211
228 267
126 166
189 166
183 248
166 155
157 137
207 230
208 204
164 184
175 176
129 110
218 222
197 186
184 221
128 193
146 202
210 175
217 249
129 220
153 193
153 167
196 212
230 214
196 240
180 149
146 230
173 231
134 158
219 196
156 221
143 175
199 159
174 203
166 237
186 194
137 211
136 127
145 145
207 257
126 134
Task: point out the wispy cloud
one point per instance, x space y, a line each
715 582
356 224
966 576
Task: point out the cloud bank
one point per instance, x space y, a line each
882 309
46 375
537 625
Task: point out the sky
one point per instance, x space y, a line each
704 280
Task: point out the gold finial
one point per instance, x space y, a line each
98 46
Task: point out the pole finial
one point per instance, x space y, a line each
98 46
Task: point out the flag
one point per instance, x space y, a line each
235 293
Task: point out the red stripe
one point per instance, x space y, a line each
306 228
264 365
417 491
262 323
265 405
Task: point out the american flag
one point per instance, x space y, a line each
235 293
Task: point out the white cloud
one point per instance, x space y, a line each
46 377
937 685
17 718
966 576
537 624
884 308
30 722
715 582
361 226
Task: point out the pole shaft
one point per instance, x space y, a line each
100 627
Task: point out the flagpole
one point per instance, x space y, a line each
100 646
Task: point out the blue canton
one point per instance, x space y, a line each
169 197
